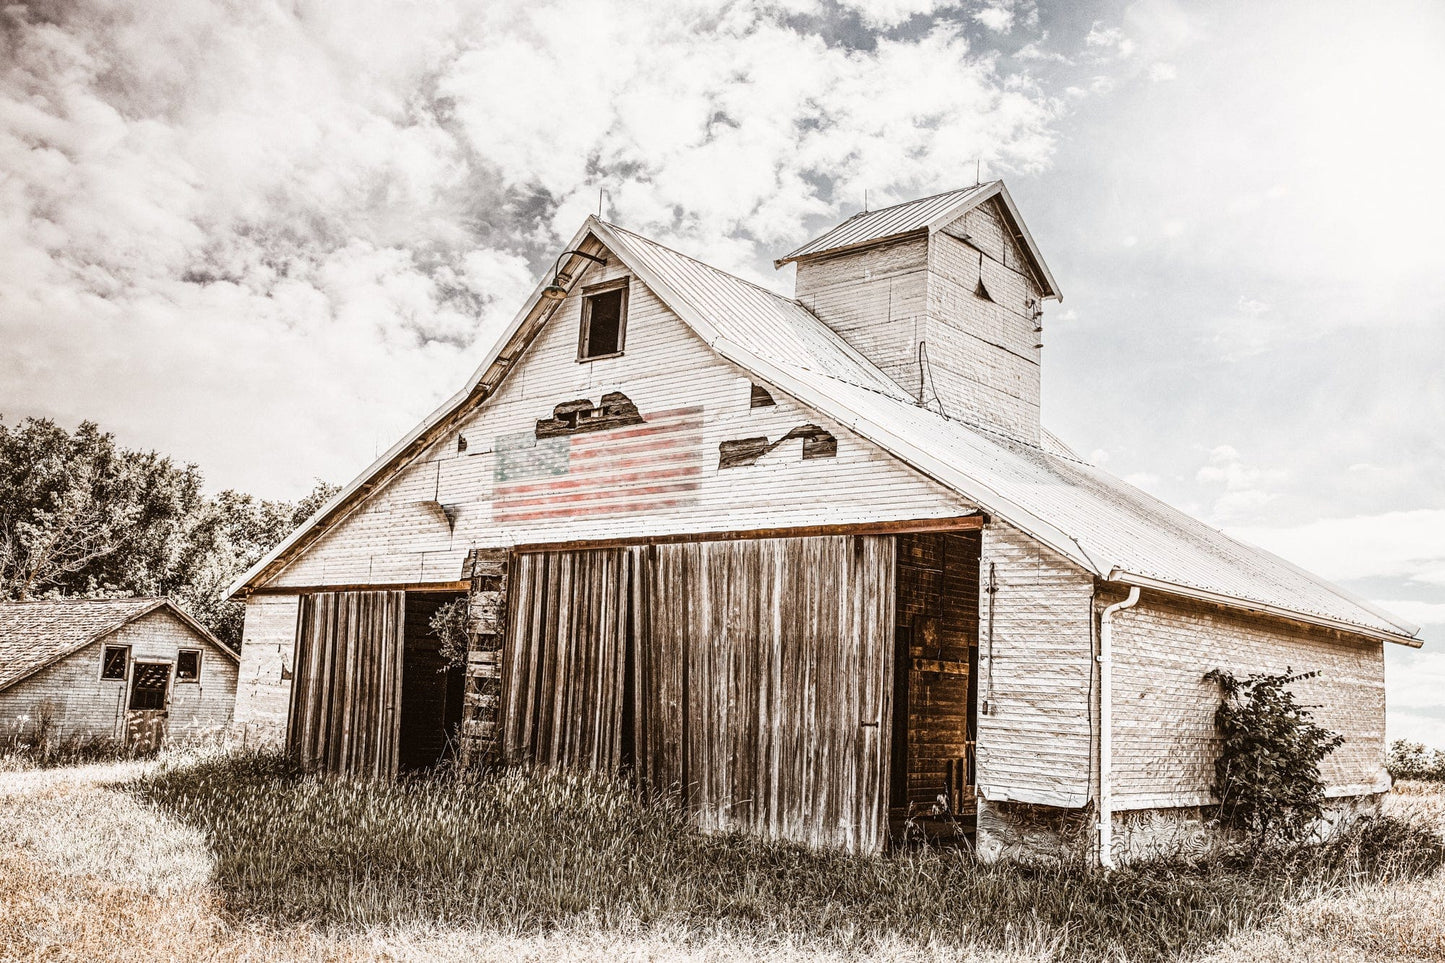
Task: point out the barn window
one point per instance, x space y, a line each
604 322
188 665
148 689
114 662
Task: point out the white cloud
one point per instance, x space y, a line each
1246 489
301 225
997 17
1161 71
1402 544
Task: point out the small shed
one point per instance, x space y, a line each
137 670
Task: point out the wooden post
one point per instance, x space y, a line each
489 572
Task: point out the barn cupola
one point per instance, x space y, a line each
943 293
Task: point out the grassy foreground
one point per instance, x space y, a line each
525 854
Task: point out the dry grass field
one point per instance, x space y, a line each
93 869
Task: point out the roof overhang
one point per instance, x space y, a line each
997 189
1204 595
483 382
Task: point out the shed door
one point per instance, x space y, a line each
755 676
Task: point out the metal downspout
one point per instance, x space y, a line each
1106 727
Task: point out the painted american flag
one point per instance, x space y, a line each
618 471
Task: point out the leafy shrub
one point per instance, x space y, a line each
1267 776
450 625
1413 760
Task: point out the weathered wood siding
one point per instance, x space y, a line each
754 676
268 652
81 702
984 352
983 360
1164 736
1035 738
346 703
877 301
509 487
937 623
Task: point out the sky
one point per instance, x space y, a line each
268 238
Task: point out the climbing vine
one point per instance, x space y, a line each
450 625
1267 776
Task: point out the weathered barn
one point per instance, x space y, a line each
137 671
814 561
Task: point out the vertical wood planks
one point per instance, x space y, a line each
761 677
346 698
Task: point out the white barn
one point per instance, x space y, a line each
814 561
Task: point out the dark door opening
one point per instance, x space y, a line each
931 784
431 692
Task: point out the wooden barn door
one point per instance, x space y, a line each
346 699
766 684
567 678
753 676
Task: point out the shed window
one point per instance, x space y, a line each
114 662
188 665
604 323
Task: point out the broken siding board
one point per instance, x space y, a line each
1035 739
268 649
666 367
1165 741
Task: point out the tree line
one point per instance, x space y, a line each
81 516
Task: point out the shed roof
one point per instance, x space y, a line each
36 634
1106 526
922 216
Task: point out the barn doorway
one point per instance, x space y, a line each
432 692
935 687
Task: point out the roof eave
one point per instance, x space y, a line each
1123 577
853 248
339 506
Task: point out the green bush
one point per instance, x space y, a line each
1267 776
1413 760
526 851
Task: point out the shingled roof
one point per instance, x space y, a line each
1109 528
36 634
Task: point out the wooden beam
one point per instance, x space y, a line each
959 523
368 587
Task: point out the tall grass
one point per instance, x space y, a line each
529 851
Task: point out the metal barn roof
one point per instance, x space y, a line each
926 214
36 634
1106 526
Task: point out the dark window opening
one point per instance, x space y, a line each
115 661
761 398
188 665
604 321
148 688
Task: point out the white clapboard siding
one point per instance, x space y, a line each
1165 742
1035 739
79 702
400 535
